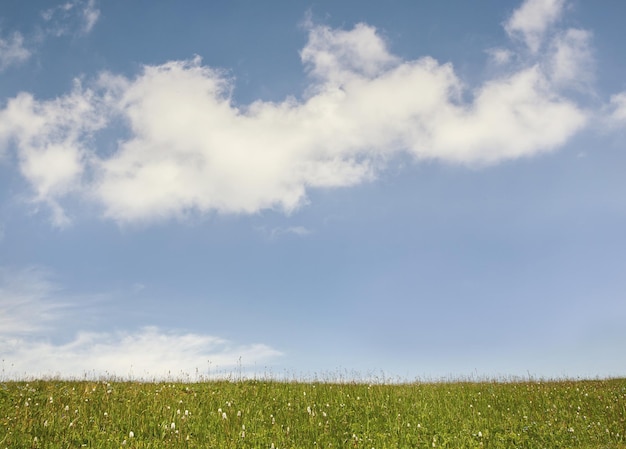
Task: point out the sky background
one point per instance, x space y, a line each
409 190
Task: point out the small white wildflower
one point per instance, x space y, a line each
238 413
173 426
124 443
131 434
224 416
186 412
480 434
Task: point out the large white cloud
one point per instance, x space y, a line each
191 150
32 308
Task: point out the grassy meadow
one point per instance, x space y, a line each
271 414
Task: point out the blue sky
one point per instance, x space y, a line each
414 189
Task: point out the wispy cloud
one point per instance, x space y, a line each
32 308
617 109
91 14
78 16
190 150
12 51
295 230
570 61
531 21
71 17
277 232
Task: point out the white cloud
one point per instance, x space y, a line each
191 150
32 306
530 21
511 117
148 354
13 51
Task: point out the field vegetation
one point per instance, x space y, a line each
272 414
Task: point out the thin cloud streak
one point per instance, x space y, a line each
28 301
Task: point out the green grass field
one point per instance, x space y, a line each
271 414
